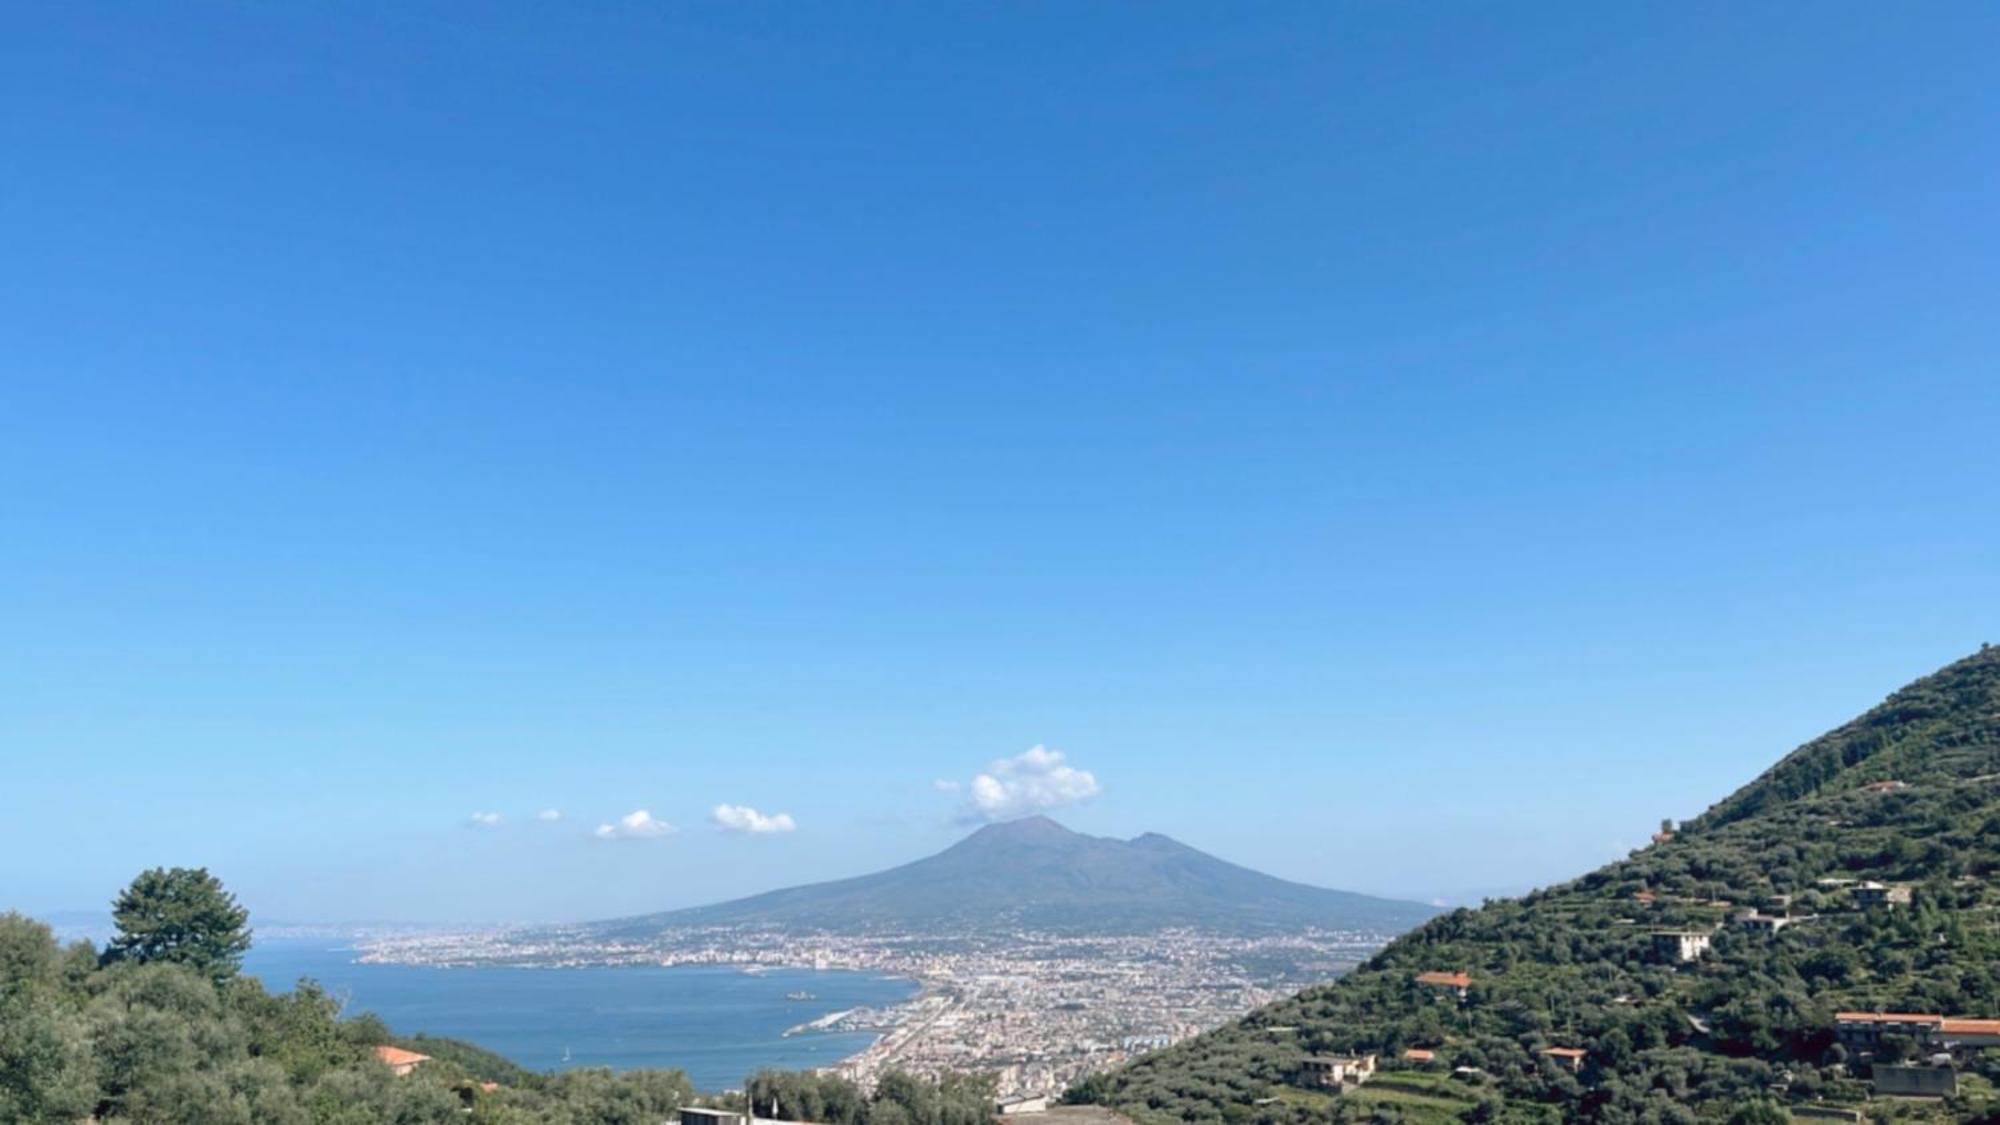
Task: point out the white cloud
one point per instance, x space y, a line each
1032 781
946 785
743 818
485 820
635 825
549 814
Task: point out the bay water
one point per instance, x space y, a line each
718 1023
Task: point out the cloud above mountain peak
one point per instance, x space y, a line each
1036 780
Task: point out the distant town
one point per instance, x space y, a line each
1035 1010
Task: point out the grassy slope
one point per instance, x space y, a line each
1571 965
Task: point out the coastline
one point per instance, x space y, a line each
717 1025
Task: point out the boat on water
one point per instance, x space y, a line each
800 996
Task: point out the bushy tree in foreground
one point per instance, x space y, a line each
163 1030
180 915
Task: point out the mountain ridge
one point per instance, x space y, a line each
1034 873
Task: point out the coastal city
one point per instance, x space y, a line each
1037 1011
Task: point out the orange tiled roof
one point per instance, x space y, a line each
1886 1017
1452 980
1565 1052
1969 1027
1418 1054
396 1056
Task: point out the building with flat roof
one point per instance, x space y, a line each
1872 895
1681 946
1764 923
1336 1072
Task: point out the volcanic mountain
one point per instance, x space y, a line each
1730 971
1036 874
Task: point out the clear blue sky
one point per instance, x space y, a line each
1405 447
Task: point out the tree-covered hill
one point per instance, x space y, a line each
1908 796
160 1028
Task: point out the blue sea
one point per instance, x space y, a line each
719 1024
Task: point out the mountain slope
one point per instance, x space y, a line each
1036 874
1907 794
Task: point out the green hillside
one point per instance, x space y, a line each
1907 795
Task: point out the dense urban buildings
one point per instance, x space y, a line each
1035 1010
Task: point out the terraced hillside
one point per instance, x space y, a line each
1787 900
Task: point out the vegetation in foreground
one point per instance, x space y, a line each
160 1028
1906 795
899 1099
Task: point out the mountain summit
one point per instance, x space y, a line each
1036 874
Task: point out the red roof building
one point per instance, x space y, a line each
399 1060
1571 1057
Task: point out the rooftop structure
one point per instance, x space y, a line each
1682 945
1864 1030
1766 923
400 1061
1460 982
1337 1071
1571 1057
1887 895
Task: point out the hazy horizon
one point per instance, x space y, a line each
469 465
79 919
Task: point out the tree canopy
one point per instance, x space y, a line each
180 915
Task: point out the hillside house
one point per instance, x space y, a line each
1571 1057
1419 1056
1460 983
1872 895
398 1060
1337 1072
1763 923
1863 1031
1681 946
1954 1033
